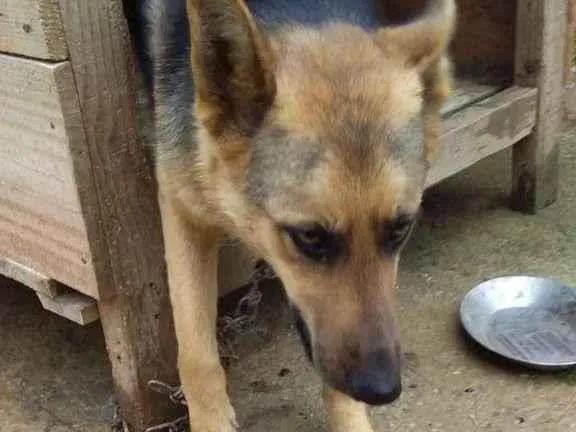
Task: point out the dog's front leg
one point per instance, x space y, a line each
344 413
192 258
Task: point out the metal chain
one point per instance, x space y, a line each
241 321
178 425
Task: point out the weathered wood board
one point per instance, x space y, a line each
74 306
120 208
30 278
482 129
32 28
539 60
41 224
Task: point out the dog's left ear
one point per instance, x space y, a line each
232 66
422 42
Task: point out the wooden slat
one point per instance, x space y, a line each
569 76
30 278
54 296
32 28
74 306
119 203
41 223
540 42
569 48
466 92
482 129
484 40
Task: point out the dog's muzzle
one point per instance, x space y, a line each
379 382
376 382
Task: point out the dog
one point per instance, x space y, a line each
306 129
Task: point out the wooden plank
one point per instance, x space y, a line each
54 296
41 223
485 40
38 243
569 75
74 306
541 38
32 279
32 28
119 203
482 129
466 92
569 48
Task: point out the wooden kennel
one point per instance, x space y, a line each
78 216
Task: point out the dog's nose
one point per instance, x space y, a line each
374 387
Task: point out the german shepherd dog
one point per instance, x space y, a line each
306 129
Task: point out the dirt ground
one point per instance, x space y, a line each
54 376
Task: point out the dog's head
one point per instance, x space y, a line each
317 146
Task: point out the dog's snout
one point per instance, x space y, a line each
374 387
378 382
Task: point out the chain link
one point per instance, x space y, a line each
230 327
243 319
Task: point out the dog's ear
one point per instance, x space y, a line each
422 42
232 66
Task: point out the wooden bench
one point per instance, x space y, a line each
79 221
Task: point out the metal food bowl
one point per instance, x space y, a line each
525 319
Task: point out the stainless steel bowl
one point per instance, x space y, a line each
529 320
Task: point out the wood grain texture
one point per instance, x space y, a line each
484 42
41 224
541 38
118 199
465 92
32 28
30 278
71 305
482 129
54 296
569 48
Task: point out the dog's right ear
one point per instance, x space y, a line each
422 42
422 45
232 67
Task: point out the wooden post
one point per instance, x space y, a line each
569 48
570 81
119 204
540 41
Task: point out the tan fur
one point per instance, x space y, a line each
344 413
438 83
341 96
191 254
310 64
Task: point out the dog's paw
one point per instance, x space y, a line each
212 414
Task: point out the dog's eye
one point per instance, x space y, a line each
315 243
395 233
